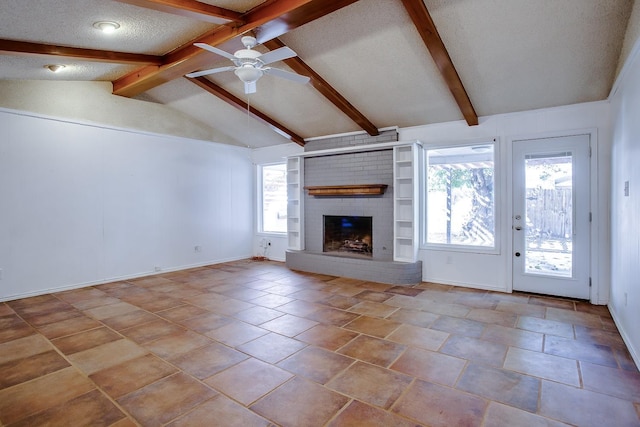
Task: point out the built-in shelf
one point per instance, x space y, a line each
347 190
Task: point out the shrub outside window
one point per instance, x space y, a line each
460 207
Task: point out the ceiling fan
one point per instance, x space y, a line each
250 65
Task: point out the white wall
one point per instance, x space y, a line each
625 210
264 156
83 204
493 271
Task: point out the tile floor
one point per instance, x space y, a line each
253 344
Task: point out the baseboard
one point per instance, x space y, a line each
117 279
635 355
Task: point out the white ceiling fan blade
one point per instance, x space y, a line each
249 87
286 75
215 50
277 55
210 71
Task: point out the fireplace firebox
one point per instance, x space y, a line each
348 235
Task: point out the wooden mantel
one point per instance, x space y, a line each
347 190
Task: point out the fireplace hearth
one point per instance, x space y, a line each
348 235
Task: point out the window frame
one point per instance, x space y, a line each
497 206
260 199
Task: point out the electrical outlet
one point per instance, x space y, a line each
626 188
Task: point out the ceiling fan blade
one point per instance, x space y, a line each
277 55
215 50
286 75
210 71
249 87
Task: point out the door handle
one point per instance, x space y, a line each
518 228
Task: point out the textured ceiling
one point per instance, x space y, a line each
511 55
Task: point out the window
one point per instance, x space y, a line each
273 218
460 196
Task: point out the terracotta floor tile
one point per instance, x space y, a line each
573 349
106 355
95 302
316 364
439 406
552 302
404 290
584 407
430 366
236 333
68 327
513 337
30 367
55 316
151 331
30 308
611 381
476 350
435 307
130 319
283 289
373 309
156 302
371 384
300 403
414 317
207 361
5 310
23 303
587 307
574 317
205 322
542 365
13 327
23 347
40 394
300 308
249 380
289 325
257 315
477 301
131 375
373 326
373 350
373 296
341 302
625 361
530 310
546 326
173 345
211 412
458 326
332 316
230 307
81 294
327 336
272 347
493 317
420 337
443 296
111 310
90 409
361 414
85 340
499 415
165 400
271 300
504 386
181 312
599 336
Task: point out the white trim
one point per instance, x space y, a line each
635 355
119 278
340 135
356 149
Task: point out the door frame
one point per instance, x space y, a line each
596 296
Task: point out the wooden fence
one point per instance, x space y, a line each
549 213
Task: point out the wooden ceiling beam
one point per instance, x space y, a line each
190 9
239 104
427 29
300 67
288 13
18 48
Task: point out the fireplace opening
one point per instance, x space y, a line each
348 235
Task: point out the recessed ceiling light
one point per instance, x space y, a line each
54 68
107 27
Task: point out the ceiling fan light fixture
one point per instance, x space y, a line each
248 74
54 68
106 27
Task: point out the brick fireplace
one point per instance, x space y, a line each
339 168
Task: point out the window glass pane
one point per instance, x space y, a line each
460 198
274 198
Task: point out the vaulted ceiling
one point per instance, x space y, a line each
373 64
